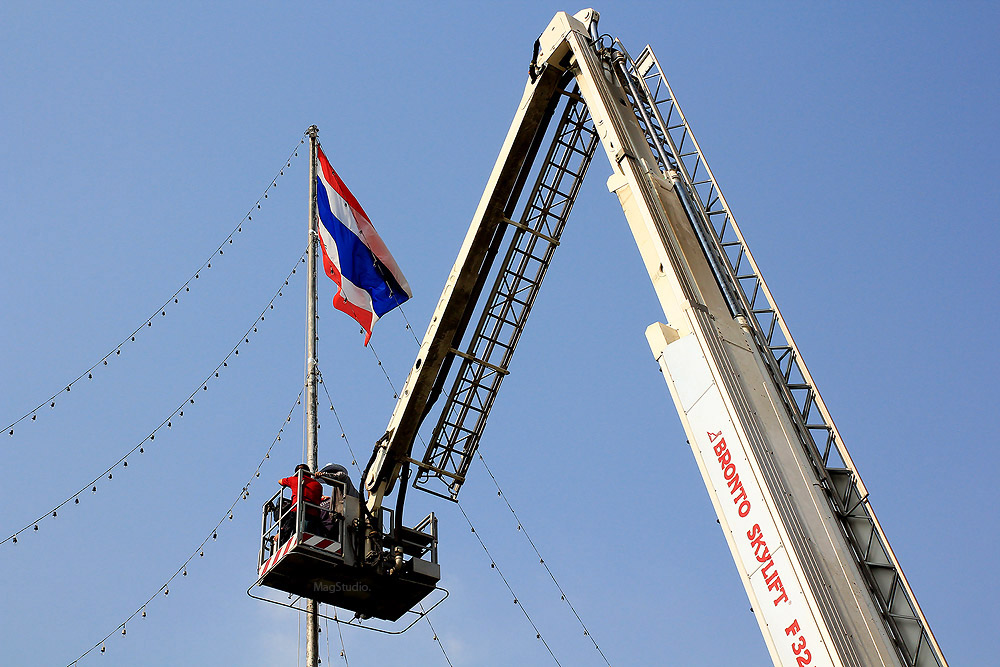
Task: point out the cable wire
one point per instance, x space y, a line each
435 634
178 412
327 633
395 394
521 528
343 433
354 462
343 649
493 564
200 549
162 310
409 326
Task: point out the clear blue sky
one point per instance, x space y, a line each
856 143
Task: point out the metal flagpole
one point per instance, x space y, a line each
312 448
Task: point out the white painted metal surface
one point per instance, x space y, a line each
810 589
812 595
752 530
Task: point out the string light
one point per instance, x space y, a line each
408 326
182 570
343 649
394 392
520 528
152 436
472 528
343 433
434 634
354 462
541 561
538 633
185 287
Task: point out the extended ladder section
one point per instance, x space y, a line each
486 359
823 582
666 127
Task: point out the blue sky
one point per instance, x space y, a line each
855 143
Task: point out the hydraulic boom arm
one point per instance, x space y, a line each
824 583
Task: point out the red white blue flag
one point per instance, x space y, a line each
354 256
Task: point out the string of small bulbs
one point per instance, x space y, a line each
167 423
354 462
434 634
343 433
494 566
343 649
199 551
493 563
164 307
522 529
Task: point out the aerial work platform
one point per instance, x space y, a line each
311 551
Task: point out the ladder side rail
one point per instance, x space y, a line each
852 503
645 196
899 606
728 279
436 464
794 357
489 351
909 644
475 363
504 301
524 167
579 147
460 291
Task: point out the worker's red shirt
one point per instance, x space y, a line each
312 492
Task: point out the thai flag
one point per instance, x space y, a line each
354 256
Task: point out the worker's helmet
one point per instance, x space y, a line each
333 468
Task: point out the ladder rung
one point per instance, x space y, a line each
426 465
476 360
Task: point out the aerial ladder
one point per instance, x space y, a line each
822 579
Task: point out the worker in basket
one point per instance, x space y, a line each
312 493
334 503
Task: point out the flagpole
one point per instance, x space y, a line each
312 443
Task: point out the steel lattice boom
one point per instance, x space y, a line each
529 252
822 580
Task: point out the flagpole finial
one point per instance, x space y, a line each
312 132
